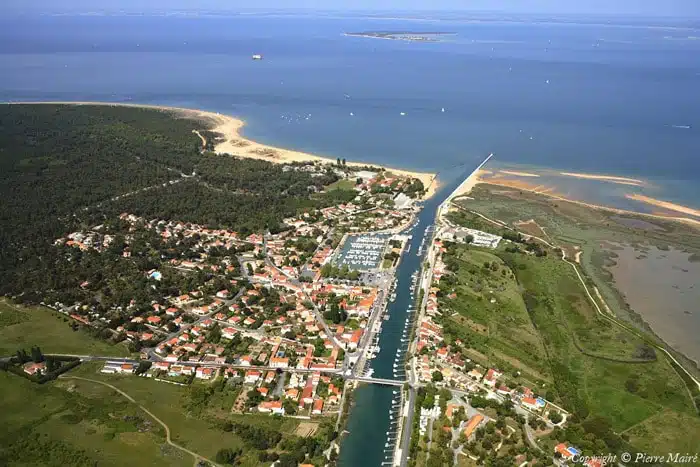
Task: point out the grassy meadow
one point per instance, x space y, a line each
537 315
24 327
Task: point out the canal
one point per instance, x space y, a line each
373 419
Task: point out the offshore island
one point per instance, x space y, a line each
410 36
201 296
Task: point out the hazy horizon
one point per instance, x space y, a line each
631 8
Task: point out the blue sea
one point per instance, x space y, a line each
584 95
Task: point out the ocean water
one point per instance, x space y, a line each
601 98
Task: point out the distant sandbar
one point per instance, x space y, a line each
663 204
606 178
518 174
549 191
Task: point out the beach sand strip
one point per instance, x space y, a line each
234 144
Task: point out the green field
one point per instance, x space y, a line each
572 225
585 374
665 429
343 184
489 314
53 425
75 422
24 327
195 426
598 369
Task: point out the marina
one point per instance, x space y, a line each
363 252
372 440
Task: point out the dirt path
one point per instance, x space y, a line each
204 140
531 437
10 305
600 297
197 457
635 333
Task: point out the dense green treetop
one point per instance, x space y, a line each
68 167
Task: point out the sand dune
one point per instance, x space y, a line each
664 204
236 145
606 178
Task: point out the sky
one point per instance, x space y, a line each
678 8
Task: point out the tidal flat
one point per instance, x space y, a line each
663 286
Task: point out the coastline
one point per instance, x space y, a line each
480 177
235 144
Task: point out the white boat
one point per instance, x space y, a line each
257 57
403 113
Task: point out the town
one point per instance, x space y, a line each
293 317
285 313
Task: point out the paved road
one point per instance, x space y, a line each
98 358
430 439
317 313
279 387
379 306
386 382
197 457
408 427
226 303
530 436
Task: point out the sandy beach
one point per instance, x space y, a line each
606 178
234 144
466 187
